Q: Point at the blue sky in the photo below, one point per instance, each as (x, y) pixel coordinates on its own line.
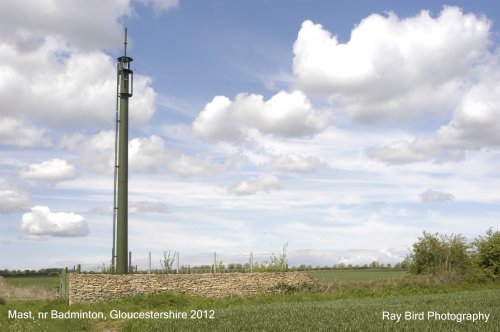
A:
(342, 128)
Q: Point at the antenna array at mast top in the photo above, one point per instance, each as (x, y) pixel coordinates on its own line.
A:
(125, 43)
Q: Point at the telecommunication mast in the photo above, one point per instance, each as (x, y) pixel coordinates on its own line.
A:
(125, 85)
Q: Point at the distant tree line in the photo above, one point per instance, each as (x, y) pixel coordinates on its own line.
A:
(342, 266)
(41, 272)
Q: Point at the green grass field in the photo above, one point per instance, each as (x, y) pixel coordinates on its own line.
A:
(354, 306)
(355, 275)
(341, 315)
(48, 282)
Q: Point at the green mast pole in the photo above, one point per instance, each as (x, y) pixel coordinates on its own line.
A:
(125, 84)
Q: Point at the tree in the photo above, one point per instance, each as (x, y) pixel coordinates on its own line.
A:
(279, 262)
(438, 253)
(486, 253)
(220, 266)
(168, 261)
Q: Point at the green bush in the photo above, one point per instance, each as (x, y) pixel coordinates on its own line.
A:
(487, 253)
(439, 253)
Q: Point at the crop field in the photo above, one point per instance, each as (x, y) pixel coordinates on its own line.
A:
(47, 282)
(28, 288)
(355, 275)
(354, 306)
(343, 315)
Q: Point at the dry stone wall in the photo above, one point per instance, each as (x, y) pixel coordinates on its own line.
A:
(103, 287)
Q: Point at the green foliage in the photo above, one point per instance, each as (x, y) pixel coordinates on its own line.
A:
(280, 263)
(167, 261)
(405, 264)
(487, 253)
(286, 288)
(439, 253)
(220, 267)
(107, 269)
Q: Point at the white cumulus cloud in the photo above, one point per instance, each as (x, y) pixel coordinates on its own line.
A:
(150, 153)
(473, 126)
(96, 151)
(53, 67)
(392, 68)
(286, 114)
(41, 222)
(54, 170)
(217, 122)
(475, 123)
(145, 154)
(77, 88)
(19, 133)
(87, 23)
(263, 183)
